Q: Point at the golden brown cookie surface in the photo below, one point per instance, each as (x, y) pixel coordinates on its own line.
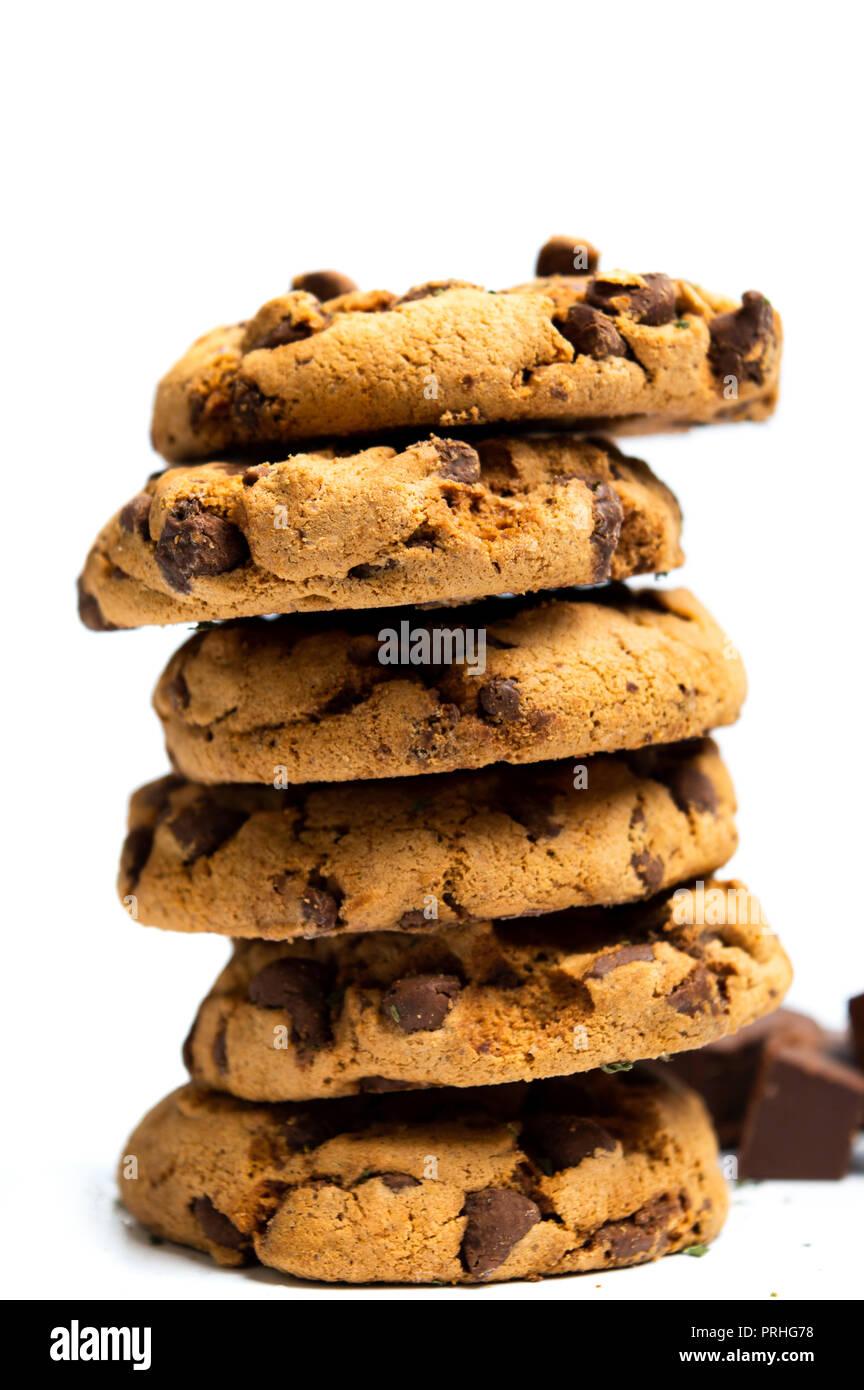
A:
(436, 521)
(501, 1183)
(612, 346)
(488, 1003)
(254, 861)
(347, 696)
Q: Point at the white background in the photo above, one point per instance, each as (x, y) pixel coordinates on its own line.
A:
(171, 166)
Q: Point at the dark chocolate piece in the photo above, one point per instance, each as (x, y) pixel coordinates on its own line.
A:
(803, 1114)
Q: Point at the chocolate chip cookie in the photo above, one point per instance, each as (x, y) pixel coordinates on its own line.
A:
(436, 521)
(507, 1182)
(488, 1003)
(348, 696)
(624, 348)
(254, 861)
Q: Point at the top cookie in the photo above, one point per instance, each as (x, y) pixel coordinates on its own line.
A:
(642, 350)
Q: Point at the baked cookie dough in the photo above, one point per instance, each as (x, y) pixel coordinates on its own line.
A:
(487, 1003)
(306, 699)
(254, 861)
(622, 348)
(435, 521)
(433, 1187)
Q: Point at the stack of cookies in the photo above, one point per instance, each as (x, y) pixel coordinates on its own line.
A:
(441, 776)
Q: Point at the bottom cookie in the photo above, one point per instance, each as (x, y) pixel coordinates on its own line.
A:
(438, 1186)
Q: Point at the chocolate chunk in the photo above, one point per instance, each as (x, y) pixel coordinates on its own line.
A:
(564, 255)
(803, 1115)
(562, 1141)
(533, 813)
(856, 1024)
(459, 462)
(324, 284)
(220, 1050)
(425, 291)
(724, 1071)
(252, 475)
(621, 955)
(248, 403)
(204, 827)
(497, 1220)
(500, 699)
(691, 790)
(216, 1225)
(320, 904)
(195, 542)
(415, 918)
(695, 994)
(651, 303)
(301, 988)
(672, 766)
(288, 330)
(608, 520)
(90, 613)
(135, 516)
(420, 1003)
(649, 868)
(134, 855)
(397, 1182)
(737, 339)
(591, 333)
(646, 1230)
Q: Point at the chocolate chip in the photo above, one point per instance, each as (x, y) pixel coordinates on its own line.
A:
(651, 303)
(691, 790)
(644, 1231)
(248, 404)
(204, 827)
(216, 1225)
(591, 333)
(420, 1003)
(500, 699)
(220, 1049)
(621, 955)
(134, 855)
(735, 336)
(694, 994)
(564, 255)
(252, 475)
(608, 520)
(562, 1141)
(324, 284)
(397, 1182)
(90, 613)
(320, 904)
(195, 542)
(135, 516)
(649, 868)
(301, 988)
(425, 291)
(288, 330)
(533, 814)
(416, 917)
(459, 462)
(498, 1218)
